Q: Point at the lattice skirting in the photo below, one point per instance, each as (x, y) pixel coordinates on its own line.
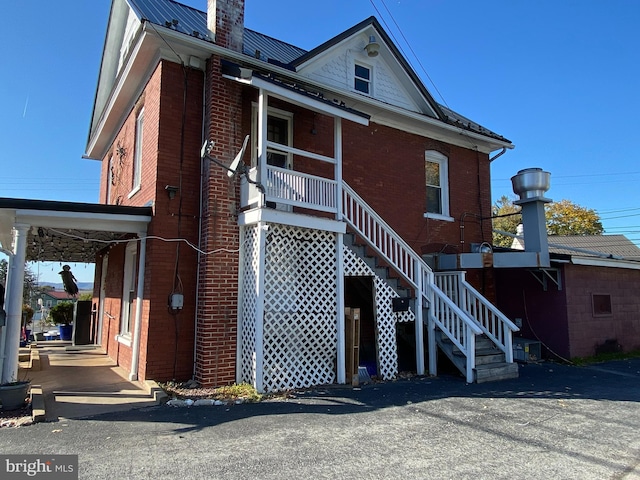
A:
(385, 317)
(299, 340)
(299, 313)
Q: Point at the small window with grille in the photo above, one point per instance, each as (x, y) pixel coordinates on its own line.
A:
(601, 304)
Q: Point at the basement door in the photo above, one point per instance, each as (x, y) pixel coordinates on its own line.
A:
(359, 293)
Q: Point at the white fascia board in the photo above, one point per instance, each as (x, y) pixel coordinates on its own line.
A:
(105, 222)
(270, 215)
(605, 262)
(131, 82)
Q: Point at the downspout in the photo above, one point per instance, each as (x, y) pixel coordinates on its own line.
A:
(502, 152)
(135, 360)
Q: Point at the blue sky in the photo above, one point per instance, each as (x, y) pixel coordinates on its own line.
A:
(559, 78)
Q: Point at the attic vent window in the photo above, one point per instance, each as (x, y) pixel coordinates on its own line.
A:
(362, 79)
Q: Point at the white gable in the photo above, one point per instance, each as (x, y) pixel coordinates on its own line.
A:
(389, 83)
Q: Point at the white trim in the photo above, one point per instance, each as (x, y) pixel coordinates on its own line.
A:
(134, 191)
(270, 215)
(136, 169)
(130, 268)
(435, 216)
(605, 262)
(124, 339)
(137, 323)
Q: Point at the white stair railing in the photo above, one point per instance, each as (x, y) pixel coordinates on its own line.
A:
(493, 323)
(454, 322)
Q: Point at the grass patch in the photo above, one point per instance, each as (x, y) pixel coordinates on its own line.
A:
(605, 357)
(228, 393)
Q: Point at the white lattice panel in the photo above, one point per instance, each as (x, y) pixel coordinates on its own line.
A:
(300, 305)
(249, 301)
(386, 318)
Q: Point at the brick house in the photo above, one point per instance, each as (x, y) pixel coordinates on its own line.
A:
(353, 178)
(584, 303)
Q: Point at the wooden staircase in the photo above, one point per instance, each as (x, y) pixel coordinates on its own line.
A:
(491, 364)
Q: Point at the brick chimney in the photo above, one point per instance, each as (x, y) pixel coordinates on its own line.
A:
(225, 21)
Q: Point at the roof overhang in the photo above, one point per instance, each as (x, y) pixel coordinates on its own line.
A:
(69, 231)
(153, 45)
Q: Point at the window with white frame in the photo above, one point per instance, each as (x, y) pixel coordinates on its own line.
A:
(279, 130)
(362, 78)
(437, 183)
(129, 289)
(137, 154)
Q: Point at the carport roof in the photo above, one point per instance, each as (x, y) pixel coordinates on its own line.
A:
(69, 231)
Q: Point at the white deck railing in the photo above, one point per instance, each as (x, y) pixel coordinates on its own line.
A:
(493, 322)
(300, 190)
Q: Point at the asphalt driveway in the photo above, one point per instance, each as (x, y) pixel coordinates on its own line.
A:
(554, 422)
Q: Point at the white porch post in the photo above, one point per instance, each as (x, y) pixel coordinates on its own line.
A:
(340, 292)
(263, 104)
(259, 358)
(135, 361)
(15, 282)
(341, 363)
(419, 320)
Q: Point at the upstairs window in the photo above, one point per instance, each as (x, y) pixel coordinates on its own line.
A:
(437, 185)
(362, 79)
(137, 154)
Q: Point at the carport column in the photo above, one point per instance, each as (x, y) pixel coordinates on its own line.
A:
(15, 281)
(135, 361)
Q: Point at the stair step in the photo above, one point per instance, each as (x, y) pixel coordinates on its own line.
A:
(496, 371)
(496, 357)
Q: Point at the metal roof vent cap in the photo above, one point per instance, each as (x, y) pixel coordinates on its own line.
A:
(531, 183)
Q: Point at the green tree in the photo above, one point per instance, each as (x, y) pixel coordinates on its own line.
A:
(506, 217)
(30, 280)
(562, 218)
(567, 218)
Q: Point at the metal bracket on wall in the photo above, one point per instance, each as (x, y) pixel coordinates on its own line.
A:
(543, 275)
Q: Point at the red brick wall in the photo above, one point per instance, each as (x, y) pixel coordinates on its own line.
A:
(564, 320)
(170, 266)
(586, 330)
(216, 332)
(543, 314)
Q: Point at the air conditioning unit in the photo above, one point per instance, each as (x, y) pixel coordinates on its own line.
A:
(527, 351)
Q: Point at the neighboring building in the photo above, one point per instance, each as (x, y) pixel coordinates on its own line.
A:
(586, 301)
(50, 298)
(244, 275)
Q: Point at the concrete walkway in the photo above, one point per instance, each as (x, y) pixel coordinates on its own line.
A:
(82, 381)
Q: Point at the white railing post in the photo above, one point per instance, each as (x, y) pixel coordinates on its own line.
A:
(337, 139)
(419, 320)
(263, 100)
(470, 344)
